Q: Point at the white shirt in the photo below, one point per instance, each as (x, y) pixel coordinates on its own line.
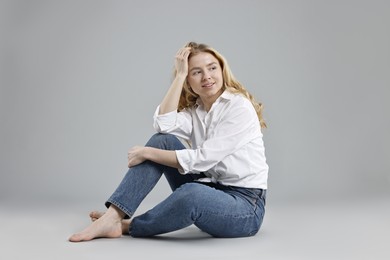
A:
(226, 143)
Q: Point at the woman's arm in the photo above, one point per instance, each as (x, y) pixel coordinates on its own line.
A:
(138, 154)
(172, 97)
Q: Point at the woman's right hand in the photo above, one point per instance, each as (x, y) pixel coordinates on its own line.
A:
(135, 156)
(181, 61)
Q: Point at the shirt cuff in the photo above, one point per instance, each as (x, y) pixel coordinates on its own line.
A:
(184, 159)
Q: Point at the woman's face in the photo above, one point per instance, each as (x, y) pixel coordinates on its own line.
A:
(205, 77)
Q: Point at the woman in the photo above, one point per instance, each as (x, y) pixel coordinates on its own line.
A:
(219, 182)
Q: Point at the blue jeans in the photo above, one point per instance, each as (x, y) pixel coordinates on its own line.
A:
(221, 211)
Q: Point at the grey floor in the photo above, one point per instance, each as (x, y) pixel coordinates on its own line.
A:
(346, 229)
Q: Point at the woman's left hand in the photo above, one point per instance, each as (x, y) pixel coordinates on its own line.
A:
(136, 155)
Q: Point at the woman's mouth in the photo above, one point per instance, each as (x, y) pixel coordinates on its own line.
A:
(208, 85)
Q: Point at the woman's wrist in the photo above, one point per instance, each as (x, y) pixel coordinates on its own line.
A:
(147, 153)
(181, 77)
(165, 157)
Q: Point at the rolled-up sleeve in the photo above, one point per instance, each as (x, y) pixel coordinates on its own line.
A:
(176, 123)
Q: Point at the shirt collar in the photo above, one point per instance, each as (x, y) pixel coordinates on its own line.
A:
(225, 95)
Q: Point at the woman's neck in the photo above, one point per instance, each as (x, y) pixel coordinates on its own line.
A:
(209, 101)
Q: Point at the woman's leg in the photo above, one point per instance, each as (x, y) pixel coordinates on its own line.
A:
(221, 213)
(142, 178)
(136, 184)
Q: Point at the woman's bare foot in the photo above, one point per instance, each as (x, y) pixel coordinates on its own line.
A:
(95, 215)
(108, 225)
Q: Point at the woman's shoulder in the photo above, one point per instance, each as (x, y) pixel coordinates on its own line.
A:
(237, 99)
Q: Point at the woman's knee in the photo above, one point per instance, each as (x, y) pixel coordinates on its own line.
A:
(164, 141)
(155, 139)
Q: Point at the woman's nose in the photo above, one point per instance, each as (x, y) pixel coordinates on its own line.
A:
(206, 76)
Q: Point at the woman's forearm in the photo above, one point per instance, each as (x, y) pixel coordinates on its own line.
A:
(163, 157)
(172, 97)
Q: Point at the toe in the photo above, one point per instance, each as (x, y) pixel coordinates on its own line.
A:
(75, 238)
(96, 214)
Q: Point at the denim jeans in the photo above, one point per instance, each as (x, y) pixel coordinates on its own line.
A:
(221, 211)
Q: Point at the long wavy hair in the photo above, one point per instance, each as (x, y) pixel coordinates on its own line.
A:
(188, 96)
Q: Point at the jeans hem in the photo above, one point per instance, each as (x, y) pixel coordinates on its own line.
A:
(128, 213)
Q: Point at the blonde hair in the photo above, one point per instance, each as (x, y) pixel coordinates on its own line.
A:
(188, 96)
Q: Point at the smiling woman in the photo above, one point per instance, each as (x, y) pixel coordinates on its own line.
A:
(205, 78)
(219, 183)
(217, 64)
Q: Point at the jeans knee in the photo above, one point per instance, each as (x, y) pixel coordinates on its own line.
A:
(159, 140)
(165, 142)
(187, 196)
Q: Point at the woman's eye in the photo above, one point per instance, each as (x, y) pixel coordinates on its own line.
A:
(196, 73)
(213, 68)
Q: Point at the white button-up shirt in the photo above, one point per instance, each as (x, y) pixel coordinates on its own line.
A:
(226, 143)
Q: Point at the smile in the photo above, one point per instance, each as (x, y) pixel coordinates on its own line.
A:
(208, 85)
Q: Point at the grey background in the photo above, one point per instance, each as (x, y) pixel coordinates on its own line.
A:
(80, 81)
